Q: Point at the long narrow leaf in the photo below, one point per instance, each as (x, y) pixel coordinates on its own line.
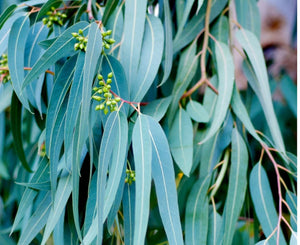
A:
(16, 50)
(151, 55)
(135, 15)
(196, 214)
(63, 46)
(260, 83)
(164, 180)
(225, 69)
(237, 186)
(142, 151)
(262, 198)
(181, 141)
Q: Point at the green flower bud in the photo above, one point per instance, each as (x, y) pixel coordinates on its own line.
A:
(98, 98)
(100, 91)
(74, 34)
(53, 8)
(49, 13)
(95, 89)
(108, 103)
(101, 106)
(117, 99)
(108, 86)
(107, 95)
(45, 20)
(111, 41)
(81, 46)
(60, 22)
(97, 108)
(105, 90)
(64, 16)
(107, 46)
(101, 83)
(108, 32)
(105, 110)
(108, 81)
(80, 31)
(100, 77)
(110, 75)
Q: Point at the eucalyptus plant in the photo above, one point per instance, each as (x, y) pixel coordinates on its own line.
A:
(122, 122)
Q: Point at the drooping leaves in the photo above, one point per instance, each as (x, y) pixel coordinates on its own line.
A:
(196, 214)
(237, 186)
(263, 203)
(181, 141)
(142, 150)
(225, 71)
(257, 76)
(164, 181)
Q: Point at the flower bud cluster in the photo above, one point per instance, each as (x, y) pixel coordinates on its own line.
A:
(130, 176)
(103, 94)
(54, 17)
(82, 40)
(4, 74)
(106, 41)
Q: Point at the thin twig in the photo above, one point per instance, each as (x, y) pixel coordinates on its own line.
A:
(89, 10)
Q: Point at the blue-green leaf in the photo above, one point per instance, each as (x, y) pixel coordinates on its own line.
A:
(106, 149)
(186, 71)
(220, 29)
(225, 69)
(117, 163)
(16, 51)
(164, 181)
(33, 52)
(62, 195)
(6, 14)
(258, 79)
(181, 141)
(74, 101)
(168, 50)
(109, 9)
(5, 30)
(16, 128)
(197, 112)
(291, 200)
(289, 91)
(135, 14)
(142, 151)
(241, 112)
(196, 214)
(248, 15)
(119, 83)
(262, 198)
(157, 108)
(237, 186)
(37, 220)
(196, 24)
(214, 228)
(151, 55)
(40, 175)
(56, 117)
(128, 212)
(93, 52)
(63, 46)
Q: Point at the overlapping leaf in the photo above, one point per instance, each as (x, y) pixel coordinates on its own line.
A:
(262, 198)
(258, 79)
(181, 141)
(225, 69)
(142, 150)
(61, 47)
(237, 186)
(164, 180)
(16, 50)
(196, 214)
